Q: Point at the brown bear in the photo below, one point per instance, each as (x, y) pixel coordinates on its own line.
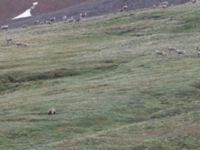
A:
(52, 111)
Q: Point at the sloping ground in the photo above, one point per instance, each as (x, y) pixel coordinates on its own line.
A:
(94, 8)
(11, 8)
(110, 90)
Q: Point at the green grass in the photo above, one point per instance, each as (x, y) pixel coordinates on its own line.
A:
(109, 88)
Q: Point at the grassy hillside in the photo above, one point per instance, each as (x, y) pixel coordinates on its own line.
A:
(109, 88)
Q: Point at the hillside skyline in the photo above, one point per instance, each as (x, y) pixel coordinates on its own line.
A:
(12, 8)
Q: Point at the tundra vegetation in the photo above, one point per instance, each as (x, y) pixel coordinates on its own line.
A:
(108, 87)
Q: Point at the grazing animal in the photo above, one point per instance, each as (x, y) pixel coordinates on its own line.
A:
(64, 18)
(36, 22)
(124, 8)
(53, 19)
(52, 111)
(9, 41)
(198, 51)
(154, 6)
(4, 27)
(48, 22)
(77, 19)
(161, 53)
(71, 19)
(164, 4)
(83, 15)
(21, 45)
(193, 1)
(180, 52)
(172, 49)
(24, 26)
